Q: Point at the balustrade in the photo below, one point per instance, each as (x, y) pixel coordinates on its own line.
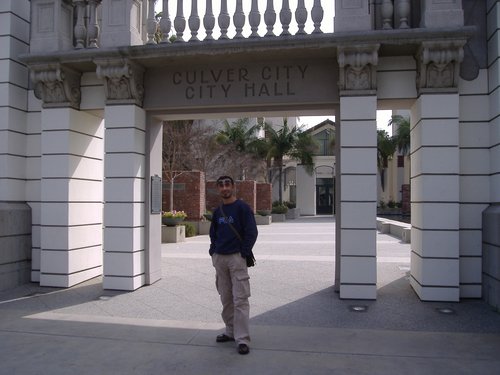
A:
(86, 30)
(393, 14)
(387, 14)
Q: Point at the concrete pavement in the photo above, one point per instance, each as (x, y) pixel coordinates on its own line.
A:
(298, 323)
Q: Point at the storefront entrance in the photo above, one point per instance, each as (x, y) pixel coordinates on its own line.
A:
(325, 196)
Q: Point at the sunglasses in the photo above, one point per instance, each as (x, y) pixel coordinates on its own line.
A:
(225, 182)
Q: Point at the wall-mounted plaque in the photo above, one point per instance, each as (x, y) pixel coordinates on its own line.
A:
(156, 194)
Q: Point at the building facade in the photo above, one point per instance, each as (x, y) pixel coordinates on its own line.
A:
(87, 84)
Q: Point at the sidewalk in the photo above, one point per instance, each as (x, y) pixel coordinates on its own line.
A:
(298, 323)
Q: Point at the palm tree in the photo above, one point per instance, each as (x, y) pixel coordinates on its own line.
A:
(386, 147)
(239, 134)
(292, 142)
(402, 136)
(242, 139)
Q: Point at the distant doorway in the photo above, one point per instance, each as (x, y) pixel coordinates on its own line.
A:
(325, 196)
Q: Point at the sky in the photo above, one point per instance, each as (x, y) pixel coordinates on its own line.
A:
(326, 26)
(383, 118)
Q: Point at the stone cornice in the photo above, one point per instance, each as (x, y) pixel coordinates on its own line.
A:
(56, 85)
(438, 65)
(315, 45)
(357, 69)
(123, 81)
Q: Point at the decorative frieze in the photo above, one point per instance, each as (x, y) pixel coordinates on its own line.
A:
(357, 69)
(123, 81)
(56, 85)
(438, 65)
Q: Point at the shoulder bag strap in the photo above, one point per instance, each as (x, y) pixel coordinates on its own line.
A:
(230, 225)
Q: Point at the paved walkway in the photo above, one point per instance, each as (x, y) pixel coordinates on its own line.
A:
(298, 323)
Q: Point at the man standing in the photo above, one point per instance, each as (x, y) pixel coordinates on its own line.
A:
(233, 233)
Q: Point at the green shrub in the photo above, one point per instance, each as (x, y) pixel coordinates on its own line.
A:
(279, 209)
(190, 229)
(263, 212)
(382, 204)
(391, 204)
(290, 204)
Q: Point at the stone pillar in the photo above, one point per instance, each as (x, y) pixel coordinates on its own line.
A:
(439, 13)
(15, 217)
(491, 216)
(71, 190)
(356, 217)
(435, 171)
(122, 22)
(124, 197)
(352, 15)
(474, 180)
(154, 149)
(306, 191)
(71, 180)
(125, 172)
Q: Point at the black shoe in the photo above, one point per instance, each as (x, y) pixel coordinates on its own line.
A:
(224, 338)
(243, 349)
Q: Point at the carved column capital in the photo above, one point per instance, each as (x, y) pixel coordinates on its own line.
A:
(56, 85)
(438, 65)
(123, 81)
(357, 69)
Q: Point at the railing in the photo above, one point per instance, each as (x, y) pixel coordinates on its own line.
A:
(392, 14)
(86, 30)
(171, 26)
(239, 18)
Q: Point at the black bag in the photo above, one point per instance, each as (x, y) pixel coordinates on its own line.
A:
(250, 261)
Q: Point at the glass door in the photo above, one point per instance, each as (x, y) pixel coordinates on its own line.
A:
(324, 196)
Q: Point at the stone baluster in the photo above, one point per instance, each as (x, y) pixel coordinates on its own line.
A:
(403, 8)
(179, 21)
(151, 23)
(270, 18)
(285, 17)
(80, 29)
(239, 19)
(223, 20)
(165, 23)
(254, 19)
(301, 17)
(209, 21)
(317, 16)
(387, 10)
(194, 21)
(93, 28)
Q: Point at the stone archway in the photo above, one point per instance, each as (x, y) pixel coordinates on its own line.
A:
(123, 94)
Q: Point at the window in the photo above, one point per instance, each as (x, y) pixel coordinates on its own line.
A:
(401, 161)
(324, 139)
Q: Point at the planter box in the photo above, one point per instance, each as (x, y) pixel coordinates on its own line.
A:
(173, 234)
(263, 220)
(278, 218)
(293, 213)
(388, 211)
(171, 221)
(204, 227)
